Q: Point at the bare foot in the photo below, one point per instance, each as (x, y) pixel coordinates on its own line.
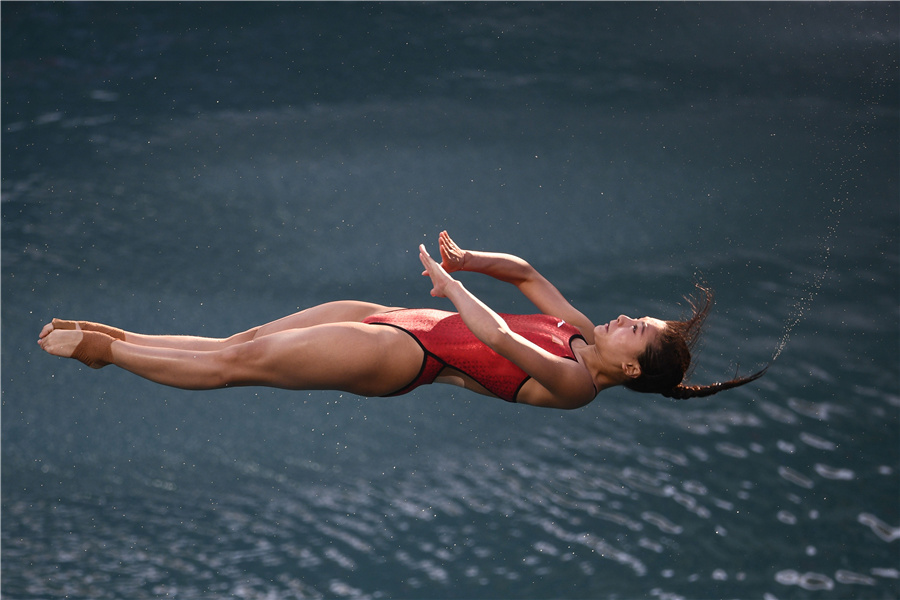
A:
(93, 348)
(46, 330)
(58, 324)
(60, 342)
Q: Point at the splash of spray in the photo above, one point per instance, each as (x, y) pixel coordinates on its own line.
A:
(813, 286)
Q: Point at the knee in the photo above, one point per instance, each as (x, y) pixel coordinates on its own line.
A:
(240, 338)
(238, 364)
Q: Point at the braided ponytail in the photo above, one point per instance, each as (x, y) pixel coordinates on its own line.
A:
(666, 364)
(683, 392)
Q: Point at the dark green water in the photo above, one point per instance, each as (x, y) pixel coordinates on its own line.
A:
(202, 168)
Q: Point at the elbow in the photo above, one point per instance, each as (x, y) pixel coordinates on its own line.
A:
(576, 404)
(556, 402)
(575, 399)
(524, 273)
(571, 404)
(498, 338)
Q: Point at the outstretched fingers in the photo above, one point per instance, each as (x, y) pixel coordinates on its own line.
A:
(439, 277)
(452, 256)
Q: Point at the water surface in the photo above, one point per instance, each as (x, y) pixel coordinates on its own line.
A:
(203, 168)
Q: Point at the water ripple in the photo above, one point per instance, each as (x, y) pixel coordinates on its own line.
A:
(879, 527)
(834, 472)
(662, 523)
(796, 478)
(807, 581)
(851, 578)
(816, 441)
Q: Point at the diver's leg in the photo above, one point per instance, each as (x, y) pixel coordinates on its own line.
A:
(340, 311)
(362, 359)
(330, 312)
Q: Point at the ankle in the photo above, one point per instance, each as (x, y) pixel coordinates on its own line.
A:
(95, 349)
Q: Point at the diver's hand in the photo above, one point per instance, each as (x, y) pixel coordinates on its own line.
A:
(440, 280)
(453, 258)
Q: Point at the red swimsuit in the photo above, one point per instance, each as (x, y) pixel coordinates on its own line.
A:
(447, 342)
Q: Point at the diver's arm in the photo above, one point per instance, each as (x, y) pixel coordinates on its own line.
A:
(567, 383)
(518, 272)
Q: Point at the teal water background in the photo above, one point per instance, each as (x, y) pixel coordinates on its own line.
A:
(202, 168)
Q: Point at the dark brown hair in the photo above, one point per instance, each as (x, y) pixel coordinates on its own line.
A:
(666, 363)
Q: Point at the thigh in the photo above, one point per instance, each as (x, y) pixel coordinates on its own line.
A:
(331, 312)
(368, 360)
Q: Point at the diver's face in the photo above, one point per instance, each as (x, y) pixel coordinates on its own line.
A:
(622, 340)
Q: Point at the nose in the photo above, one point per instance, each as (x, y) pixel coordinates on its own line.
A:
(622, 320)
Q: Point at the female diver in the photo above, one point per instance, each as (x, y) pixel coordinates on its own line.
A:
(557, 359)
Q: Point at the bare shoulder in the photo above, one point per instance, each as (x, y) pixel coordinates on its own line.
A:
(583, 324)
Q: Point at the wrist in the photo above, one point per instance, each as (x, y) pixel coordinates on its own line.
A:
(466, 259)
(454, 291)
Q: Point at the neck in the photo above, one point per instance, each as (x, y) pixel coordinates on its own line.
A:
(604, 374)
